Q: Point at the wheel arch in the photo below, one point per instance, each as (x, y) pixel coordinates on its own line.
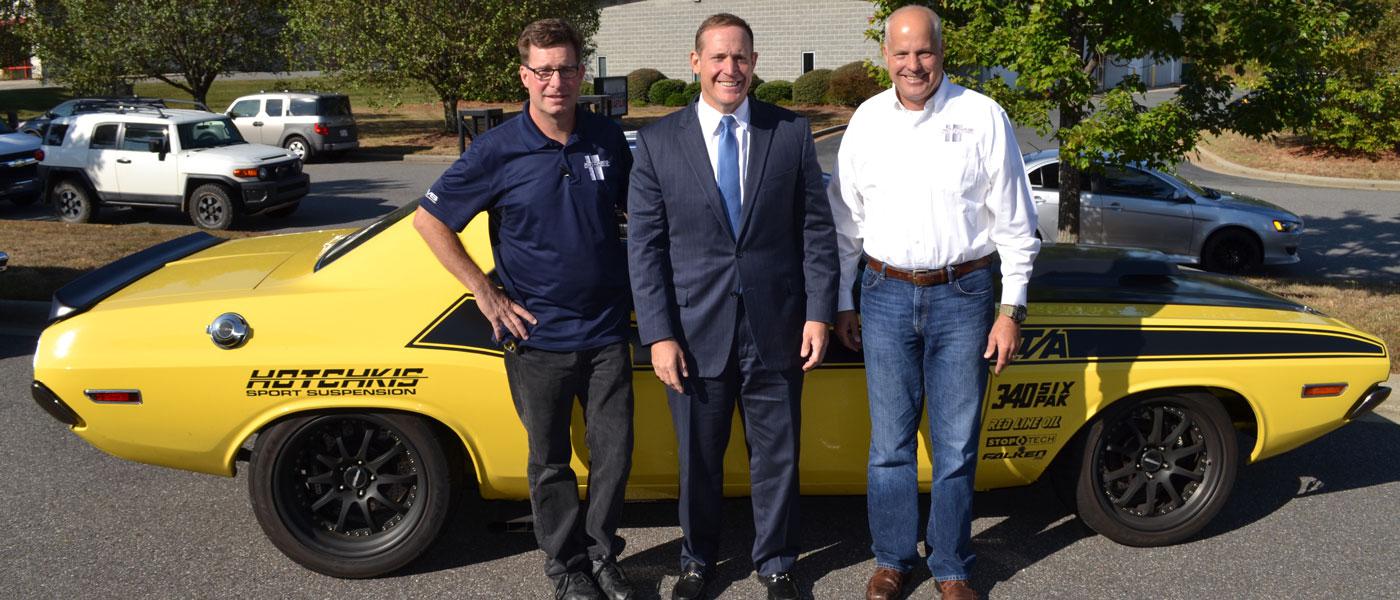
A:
(55, 175)
(193, 182)
(1228, 227)
(459, 445)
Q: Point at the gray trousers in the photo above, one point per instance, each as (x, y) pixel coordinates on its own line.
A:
(544, 385)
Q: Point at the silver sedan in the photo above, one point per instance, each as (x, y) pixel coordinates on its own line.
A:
(1145, 208)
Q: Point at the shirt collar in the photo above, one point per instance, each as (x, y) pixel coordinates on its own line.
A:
(710, 117)
(534, 139)
(935, 102)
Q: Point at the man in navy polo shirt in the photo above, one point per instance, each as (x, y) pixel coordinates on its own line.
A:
(552, 181)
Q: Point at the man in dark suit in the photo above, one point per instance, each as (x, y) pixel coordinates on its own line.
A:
(733, 262)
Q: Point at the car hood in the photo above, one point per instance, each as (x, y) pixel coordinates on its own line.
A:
(1250, 204)
(242, 154)
(234, 266)
(11, 143)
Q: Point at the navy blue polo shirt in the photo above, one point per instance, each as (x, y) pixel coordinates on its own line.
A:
(554, 224)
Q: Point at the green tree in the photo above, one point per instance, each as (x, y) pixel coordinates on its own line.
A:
(462, 49)
(1057, 48)
(97, 46)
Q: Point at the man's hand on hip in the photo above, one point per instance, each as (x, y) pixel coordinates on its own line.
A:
(848, 329)
(815, 337)
(502, 313)
(1003, 341)
(669, 363)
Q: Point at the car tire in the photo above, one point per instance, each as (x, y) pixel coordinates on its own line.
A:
(1139, 485)
(285, 211)
(1232, 251)
(212, 207)
(73, 203)
(351, 495)
(299, 146)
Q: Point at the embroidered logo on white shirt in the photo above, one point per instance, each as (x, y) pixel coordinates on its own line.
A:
(954, 133)
(595, 165)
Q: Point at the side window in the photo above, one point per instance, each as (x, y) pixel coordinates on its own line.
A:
(140, 135)
(245, 108)
(301, 107)
(54, 136)
(274, 107)
(1133, 182)
(1047, 177)
(104, 137)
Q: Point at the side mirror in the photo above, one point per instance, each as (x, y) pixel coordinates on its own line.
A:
(1181, 196)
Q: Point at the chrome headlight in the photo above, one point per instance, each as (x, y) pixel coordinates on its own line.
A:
(262, 172)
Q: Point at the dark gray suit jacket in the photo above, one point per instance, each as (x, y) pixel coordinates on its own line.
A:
(687, 269)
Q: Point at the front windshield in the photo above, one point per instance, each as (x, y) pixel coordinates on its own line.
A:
(209, 134)
(1196, 189)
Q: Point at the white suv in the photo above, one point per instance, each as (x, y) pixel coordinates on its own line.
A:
(308, 124)
(191, 160)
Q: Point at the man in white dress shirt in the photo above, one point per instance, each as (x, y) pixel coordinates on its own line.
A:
(929, 184)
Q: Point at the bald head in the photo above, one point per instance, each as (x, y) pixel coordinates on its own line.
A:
(916, 19)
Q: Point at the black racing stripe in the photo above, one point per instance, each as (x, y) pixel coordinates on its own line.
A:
(1048, 343)
(461, 327)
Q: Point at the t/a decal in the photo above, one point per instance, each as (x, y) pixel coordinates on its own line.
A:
(1042, 344)
(1032, 395)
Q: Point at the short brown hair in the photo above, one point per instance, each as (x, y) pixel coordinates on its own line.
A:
(549, 33)
(722, 20)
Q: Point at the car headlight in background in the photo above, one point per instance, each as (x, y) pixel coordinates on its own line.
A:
(1283, 226)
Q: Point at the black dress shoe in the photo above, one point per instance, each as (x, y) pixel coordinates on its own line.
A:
(612, 581)
(575, 586)
(689, 586)
(780, 586)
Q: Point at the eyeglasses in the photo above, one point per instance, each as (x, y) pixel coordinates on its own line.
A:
(547, 73)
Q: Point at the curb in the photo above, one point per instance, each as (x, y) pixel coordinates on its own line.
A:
(423, 158)
(828, 131)
(1211, 161)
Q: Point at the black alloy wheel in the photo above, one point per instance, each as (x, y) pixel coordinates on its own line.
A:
(212, 207)
(73, 203)
(1156, 470)
(350, 494)
(1232, 251)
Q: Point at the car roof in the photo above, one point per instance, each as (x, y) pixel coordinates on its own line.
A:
(145, 115)
(296, 95)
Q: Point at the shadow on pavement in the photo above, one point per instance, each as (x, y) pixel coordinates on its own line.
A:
(1357, 245)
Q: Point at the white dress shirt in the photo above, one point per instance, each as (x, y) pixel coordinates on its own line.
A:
(710, 126)
(932, 188)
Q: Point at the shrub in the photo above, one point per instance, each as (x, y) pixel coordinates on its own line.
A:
(754, 82)
(851, 84)
(639, 83)
(586, 88)
(811, 87)
(775, 92)
(661, 91)
(691, 92)
(1359, 118)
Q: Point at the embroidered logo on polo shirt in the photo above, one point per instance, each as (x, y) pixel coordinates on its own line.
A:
(595, 164)
(954, 133)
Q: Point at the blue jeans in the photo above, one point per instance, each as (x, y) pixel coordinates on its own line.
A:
(924, 341)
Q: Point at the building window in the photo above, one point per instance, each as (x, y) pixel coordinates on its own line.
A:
(602, 66)
(809, 61)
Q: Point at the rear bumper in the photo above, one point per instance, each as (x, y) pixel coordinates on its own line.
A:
(20, 182)
(266, 195)
(336, 146)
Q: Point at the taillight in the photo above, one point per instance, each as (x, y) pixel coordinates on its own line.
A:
(114, 396)
(321, 129)
(39, 154)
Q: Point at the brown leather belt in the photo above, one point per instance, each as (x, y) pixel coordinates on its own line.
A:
(924, 277)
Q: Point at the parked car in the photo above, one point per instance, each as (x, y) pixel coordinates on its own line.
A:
(367, 385)
(308, 124)
(39, 125)
(19, 166)
(4, 260)
(193, 161)
(1135, 207)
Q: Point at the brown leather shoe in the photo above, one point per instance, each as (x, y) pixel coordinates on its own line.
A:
(956, 589)
(885, 584)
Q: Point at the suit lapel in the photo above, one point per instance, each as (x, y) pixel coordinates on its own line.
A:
(760, 138)
(692, 142)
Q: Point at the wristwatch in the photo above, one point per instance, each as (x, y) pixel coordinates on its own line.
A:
(1017, 312)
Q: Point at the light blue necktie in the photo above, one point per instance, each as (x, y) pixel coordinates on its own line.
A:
(729, 171)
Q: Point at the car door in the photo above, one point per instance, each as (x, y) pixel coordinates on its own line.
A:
(145, 176)
(1045, 192)
(1140, 210)
(273, 122)
(102, 159)
(247, 116)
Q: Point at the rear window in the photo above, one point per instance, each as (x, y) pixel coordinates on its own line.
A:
(104, 137)
(325, 106)
(54, 137)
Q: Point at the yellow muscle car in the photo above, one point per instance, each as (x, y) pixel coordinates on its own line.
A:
(369, 390)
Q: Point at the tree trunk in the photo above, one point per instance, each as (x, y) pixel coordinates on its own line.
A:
(449, 113)
(1069, 184)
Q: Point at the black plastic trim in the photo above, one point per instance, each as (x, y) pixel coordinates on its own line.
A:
(1368, 401)
(86, 291)
(55, 406)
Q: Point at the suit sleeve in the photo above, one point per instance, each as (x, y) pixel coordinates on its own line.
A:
(648, 249)
(819, 260)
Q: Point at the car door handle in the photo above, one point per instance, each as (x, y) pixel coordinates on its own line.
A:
(1039, 198)
(125, 161)
(1115, 206)
(257, 123)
